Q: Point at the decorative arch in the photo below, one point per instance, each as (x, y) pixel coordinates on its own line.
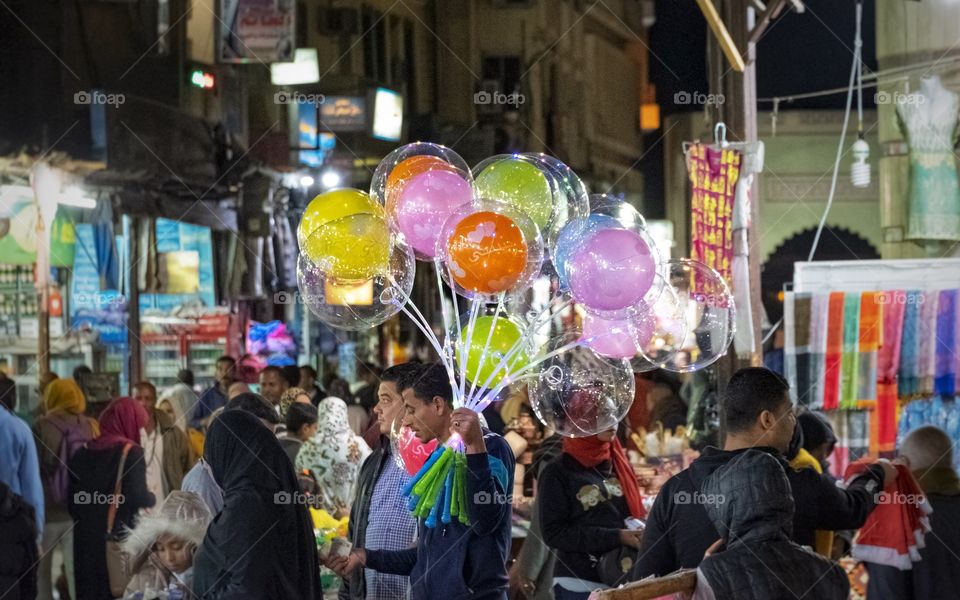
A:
(836, 243)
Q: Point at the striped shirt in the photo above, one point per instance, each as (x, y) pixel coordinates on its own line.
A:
(390, 526)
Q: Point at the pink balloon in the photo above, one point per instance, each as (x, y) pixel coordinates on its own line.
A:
(620, 338)
(413, 452)
(613, 270)
(424, 204)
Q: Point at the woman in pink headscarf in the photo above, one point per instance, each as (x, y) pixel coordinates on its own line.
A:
(94, 472)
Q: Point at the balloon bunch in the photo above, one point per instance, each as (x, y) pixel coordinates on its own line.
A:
(490, 233)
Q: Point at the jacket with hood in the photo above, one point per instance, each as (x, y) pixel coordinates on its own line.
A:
(18, 547)
(183, 516)
(937, 574)
(455, 561)
(261, 545)
(748, 501)
(679, 530)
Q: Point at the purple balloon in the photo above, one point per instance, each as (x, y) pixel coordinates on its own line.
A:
(612, 271)
(424, 204)
(620, 338)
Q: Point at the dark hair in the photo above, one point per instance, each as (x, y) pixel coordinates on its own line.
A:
(79, 371)
(227, 358)
(273, 369)
(292, 374)
(429, 382)
(298, 415)
(8, 392)
(396, 373)
(185, 376)
(310, 370)
(816, 430)
(148, 385)
(750, 392)
(255, 405)
(339, 388)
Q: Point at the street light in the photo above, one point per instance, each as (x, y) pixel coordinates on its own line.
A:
(330, 179)
(306, 181)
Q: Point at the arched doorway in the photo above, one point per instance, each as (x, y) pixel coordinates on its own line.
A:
(835, 244)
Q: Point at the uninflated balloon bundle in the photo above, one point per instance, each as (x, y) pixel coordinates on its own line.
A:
(489, 234)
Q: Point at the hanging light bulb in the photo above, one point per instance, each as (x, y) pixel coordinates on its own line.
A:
(860, 170)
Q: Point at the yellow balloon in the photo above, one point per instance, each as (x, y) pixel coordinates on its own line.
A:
(333, 205)
(352, 247)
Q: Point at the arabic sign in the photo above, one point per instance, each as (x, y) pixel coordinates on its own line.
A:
(344, 113)
(256, 30)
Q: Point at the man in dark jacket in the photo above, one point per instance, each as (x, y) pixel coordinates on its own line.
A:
(18, 547)
(748, 501)
(379, 517)
(453, 561)
(929, 454)
(759, 415)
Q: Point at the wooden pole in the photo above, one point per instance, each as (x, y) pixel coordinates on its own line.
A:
(681, 581)
(134, 346)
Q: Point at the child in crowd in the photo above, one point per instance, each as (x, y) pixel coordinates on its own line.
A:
(162, 546)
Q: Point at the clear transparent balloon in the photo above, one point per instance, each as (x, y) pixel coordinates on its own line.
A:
(578, 392)
(358, 304)
(624, 212)
(709, 311)
(423, 150)
(502, 253)
(539, 185)
(664, 327)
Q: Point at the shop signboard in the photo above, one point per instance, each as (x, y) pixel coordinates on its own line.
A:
(186, 264)
(261, 31)
(344, 113)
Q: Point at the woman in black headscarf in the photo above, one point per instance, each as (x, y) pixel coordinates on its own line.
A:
(261, 545)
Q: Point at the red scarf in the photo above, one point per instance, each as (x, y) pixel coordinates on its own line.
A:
(590, 452)
(120, 423)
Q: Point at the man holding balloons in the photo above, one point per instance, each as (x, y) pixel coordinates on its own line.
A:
(453, 560)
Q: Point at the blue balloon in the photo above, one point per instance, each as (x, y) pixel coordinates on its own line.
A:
(572, 236)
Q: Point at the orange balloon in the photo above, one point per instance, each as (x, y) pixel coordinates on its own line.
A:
(408, 168)
(487, 253)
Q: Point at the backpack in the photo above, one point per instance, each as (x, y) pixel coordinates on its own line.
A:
(57, 478)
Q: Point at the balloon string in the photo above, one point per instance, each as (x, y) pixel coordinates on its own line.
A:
(447, 321)
(484, 400)
(424, 327)
(457, 401)
(474, 309)
(486, 348)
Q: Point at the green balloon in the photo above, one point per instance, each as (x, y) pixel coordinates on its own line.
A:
(519, 184)
(505, 335)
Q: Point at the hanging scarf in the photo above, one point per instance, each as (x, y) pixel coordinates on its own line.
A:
(888, 363)
(590, 452)
(945, 374)
(871, 330)
(802, 312)
(908, 378)
(850, 361)
(120, 424)
(834, 356)
(334, 455)
(818, 348)
(926, 360)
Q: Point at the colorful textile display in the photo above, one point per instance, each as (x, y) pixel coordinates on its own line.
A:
(713, 174)
(834, 356)
(926, 358)
(894, 531)
(871, 331)
(850, 360)
(888, 362)
(945, 352)
(818, 350)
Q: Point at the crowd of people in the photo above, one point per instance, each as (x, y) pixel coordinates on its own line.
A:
(187, 495)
